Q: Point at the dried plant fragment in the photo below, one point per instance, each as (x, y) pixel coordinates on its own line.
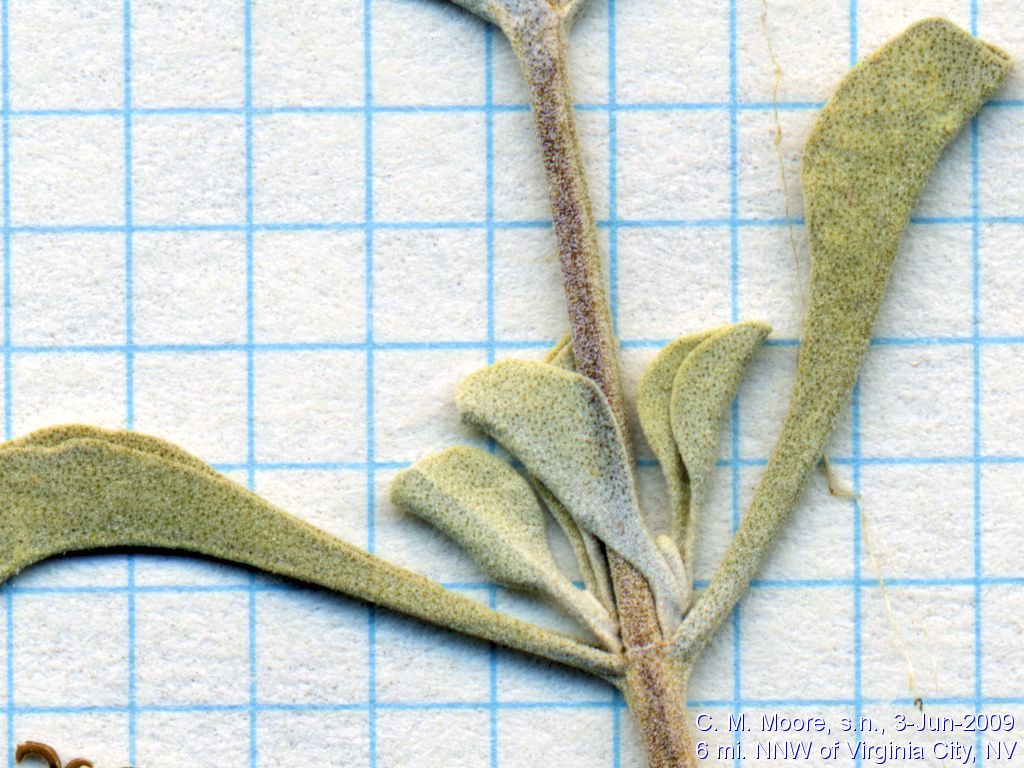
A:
(93, 493)
(864, 167)
(560, 426)
(47, 753)
(491, 511)
(37, 749)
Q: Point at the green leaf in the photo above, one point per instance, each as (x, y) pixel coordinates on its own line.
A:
(866, 162)
(63, 495)
(490, 511)
(53, 436)
(702, 393)
(654, 402)
(560, 426)
(684, 396)
(588, 550)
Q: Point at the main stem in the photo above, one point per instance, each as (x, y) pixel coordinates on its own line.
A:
(652, 689)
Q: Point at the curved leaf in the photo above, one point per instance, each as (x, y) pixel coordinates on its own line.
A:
(654, 402)
(588, 550)
(491, 511)
(864, 167)
(702, 393)
(94, 493)
(50, 437)
(560, 426)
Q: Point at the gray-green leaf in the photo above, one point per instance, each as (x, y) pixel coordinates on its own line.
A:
(561, 427)
(864, 167)
(654, 402)
(588, 550)
(684, 397)
(76, 488)
(702, 393)
(491, 511)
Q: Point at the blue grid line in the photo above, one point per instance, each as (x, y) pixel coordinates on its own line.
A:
(976, 414)
(446, 706)
(129, 220)
(306, 226)
(469, 344)
(129, 355)
(361, 466)
(734, 241)
(492, 591)
(616, 699)
(370, 343)
(489, 184)
(857, 592)
(5, 84)
(509, 706)
(5, 96)
(9, 687)
(853, 34)
(133, 709)
(858, 662)
(283, 585)
(427, 108)
(613, 222)
(415, 109)
(250, 370)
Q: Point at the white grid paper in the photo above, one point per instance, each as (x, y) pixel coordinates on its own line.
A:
(279, 234)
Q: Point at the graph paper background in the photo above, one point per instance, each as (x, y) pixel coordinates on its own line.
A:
(280, 233)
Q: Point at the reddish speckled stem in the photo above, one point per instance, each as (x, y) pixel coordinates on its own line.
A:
(656, 699)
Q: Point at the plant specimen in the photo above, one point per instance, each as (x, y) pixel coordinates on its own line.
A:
(74, 487)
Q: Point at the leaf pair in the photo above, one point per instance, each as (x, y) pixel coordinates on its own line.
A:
(491, 511)
(560, 426)
(683, 398)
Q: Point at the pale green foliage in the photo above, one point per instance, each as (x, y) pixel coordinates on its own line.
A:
(74, 488)
(490, 510)
(653, 402)
(864, 167)
(586, 546)
(683, 398)
(559, 425)
(588, 549)
(702, 393)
